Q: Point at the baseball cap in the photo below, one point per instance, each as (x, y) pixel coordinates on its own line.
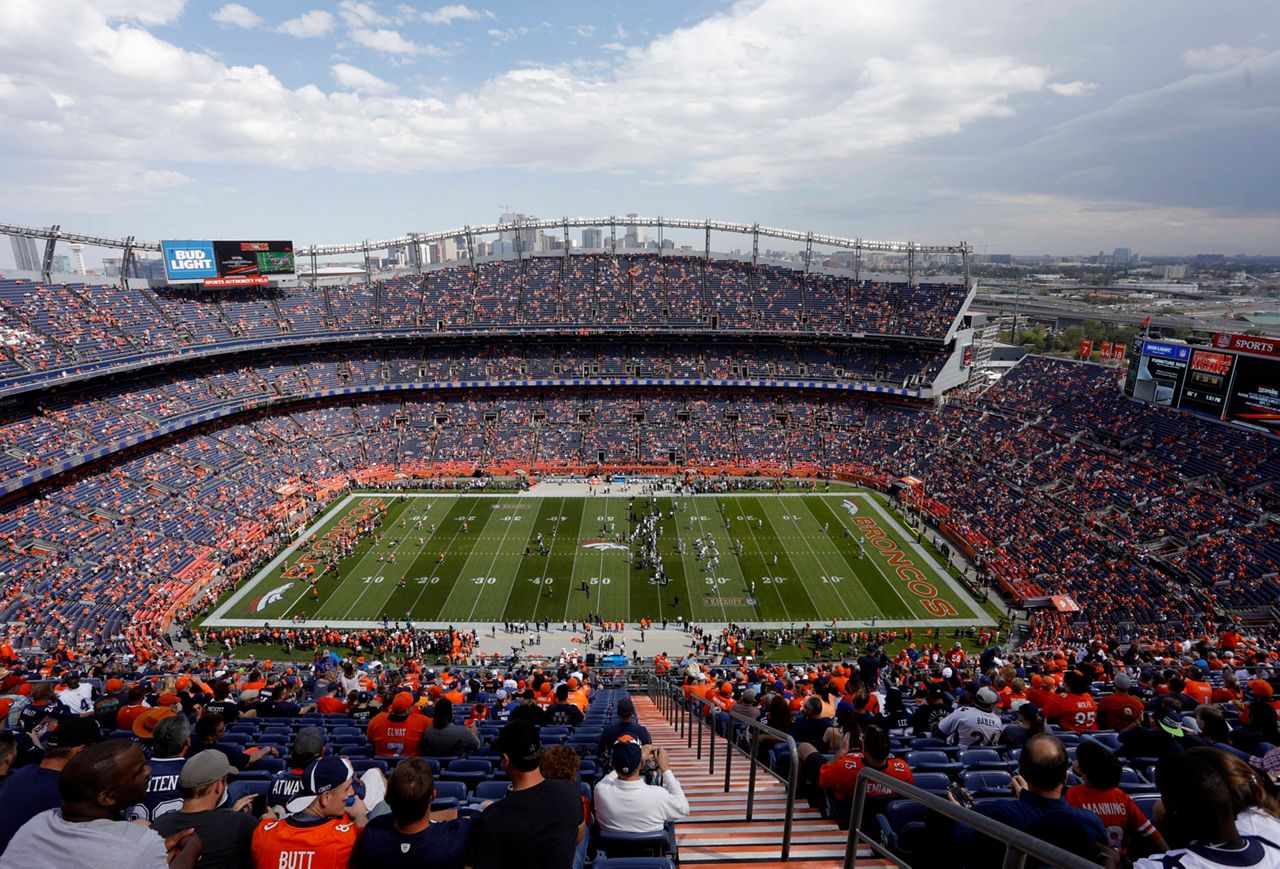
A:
(403, 702)
(114, 685)
(168, 699)
(1170, 722)
(844, 707)
(309, 741)
(626, 707)
(1261, 688)
(321, 777)
(74, 732)
(947, 672)
(1123, 682)
(204, 768)
(144, 726)
(987, 697)
(626, 755)
(518, 740)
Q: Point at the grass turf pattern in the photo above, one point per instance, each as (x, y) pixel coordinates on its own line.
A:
(783, 559)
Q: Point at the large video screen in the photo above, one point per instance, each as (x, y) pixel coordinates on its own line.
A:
(251, 258)
(1160, 372)
(226, 263)
(1208, 383)
(1255, 395)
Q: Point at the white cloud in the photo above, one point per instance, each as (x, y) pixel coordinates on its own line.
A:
(392, 42)
(1220, 56)
(454, 12)
(356, 14)
(308, 25)
(237, 16)
(584, 30)
(807, 95)
(164, 179)
(353, 78)
(614, 46)
(1071, 88)
(142, 11)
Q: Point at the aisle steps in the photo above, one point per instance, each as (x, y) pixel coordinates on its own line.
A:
(716, 836)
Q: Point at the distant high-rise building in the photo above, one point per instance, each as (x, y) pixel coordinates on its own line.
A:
(1121, 256)
(61, 264)
(592, 238)
(25, 256)
(633, 237)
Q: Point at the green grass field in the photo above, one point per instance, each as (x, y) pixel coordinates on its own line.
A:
(783, 559)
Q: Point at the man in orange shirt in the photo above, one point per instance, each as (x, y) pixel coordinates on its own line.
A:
(133, 708)
(840, 775)
(321, 835)
(1117, 711)
(331, 703)
(1076, 710)
(1196, 688)
(398, 732)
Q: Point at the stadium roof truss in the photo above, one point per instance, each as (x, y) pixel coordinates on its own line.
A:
(52, 235)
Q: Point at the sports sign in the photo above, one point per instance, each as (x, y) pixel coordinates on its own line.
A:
(221, 264)
(1247, 344)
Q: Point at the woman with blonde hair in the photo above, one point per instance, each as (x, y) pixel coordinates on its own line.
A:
(1257, 812)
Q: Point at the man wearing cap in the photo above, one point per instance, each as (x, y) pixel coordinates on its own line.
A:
(170, 741)
(76, 696)
(225, 834)
(539, 823)
(625, 726)
(326, 821)
(398, 731)
(973, 725)
(626, 804)
(34, 789)
(308, 747)
(1118, 710)
(1157, 734)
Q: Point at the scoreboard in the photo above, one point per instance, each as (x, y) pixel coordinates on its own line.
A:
(222, 264)
(1237, 379)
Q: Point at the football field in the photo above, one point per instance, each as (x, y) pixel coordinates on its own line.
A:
(439, 559)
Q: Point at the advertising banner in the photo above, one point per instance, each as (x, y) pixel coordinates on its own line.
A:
(1086, 348)
(188, 260)
(1255, 393)
(1247, 344)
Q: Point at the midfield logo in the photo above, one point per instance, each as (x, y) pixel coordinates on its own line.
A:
(605, 546)
(258, 604)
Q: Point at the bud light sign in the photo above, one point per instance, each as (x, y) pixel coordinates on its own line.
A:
(188, 260)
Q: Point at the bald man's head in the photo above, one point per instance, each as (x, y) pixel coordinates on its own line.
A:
(1044, 762)
(109, 775)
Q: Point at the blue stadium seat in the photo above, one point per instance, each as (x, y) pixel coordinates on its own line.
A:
(983, 758)
(449, 795)
(933, 761)
(902, 826)
(492, 790)
(466, 770)
(986, 783)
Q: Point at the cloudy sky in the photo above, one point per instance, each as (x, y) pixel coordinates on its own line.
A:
(1029, 127)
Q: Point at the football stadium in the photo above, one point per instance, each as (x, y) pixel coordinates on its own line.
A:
(882, 469)
(588, 487)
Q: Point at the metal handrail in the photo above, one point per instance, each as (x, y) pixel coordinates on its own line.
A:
(1018, 844)
(663, 692)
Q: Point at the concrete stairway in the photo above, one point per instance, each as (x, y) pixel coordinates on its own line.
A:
(715, 835)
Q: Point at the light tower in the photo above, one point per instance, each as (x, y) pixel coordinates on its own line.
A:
(77, 253)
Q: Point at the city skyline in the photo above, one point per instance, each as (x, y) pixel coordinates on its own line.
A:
(1062, 130)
